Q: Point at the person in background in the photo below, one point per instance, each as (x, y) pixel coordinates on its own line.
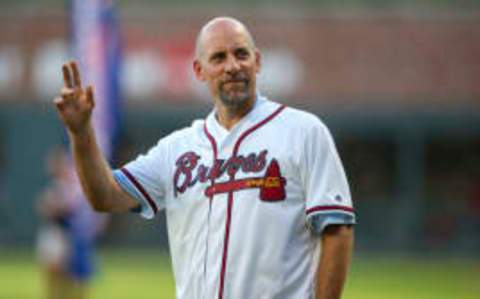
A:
(65, 244)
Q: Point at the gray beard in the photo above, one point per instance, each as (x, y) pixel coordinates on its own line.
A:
(234, 103)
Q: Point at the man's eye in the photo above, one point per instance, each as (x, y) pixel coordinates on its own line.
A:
(217, 58)
(242, 54)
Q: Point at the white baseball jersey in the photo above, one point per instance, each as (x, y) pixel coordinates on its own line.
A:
(244, 207)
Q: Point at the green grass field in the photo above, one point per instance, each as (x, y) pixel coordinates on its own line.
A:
(147, 275)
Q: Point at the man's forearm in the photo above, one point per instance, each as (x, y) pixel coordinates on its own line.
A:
(75, 106)
(337, 245)
(95, 174)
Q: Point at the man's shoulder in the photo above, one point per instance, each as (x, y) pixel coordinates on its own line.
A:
(302, 119)
(304, 126)
(193, 131)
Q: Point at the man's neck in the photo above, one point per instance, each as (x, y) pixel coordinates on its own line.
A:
(228, 117)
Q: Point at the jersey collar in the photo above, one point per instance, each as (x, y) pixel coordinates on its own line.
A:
(262, 108)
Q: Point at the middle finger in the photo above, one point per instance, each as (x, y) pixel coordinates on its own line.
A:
(76, 75)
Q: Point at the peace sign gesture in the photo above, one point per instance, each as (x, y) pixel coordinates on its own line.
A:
(75, 104)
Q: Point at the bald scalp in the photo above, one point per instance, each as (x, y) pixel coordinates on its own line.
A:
(220, 23)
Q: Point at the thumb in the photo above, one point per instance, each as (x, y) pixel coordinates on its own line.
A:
(59, 103)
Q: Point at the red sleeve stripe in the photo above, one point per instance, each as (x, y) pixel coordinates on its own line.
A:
(330, 208)
(140, 188)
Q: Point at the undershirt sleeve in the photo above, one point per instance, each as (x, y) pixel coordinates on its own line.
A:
(327, 194)
(145, 179)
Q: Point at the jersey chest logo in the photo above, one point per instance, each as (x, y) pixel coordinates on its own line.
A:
(190, 171)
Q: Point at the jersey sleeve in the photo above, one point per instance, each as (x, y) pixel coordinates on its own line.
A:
(145, 179)
(327, 194)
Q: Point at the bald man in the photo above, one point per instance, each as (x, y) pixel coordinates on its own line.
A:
(256, 198)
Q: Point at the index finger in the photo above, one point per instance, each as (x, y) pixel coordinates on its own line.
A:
(76, 75)
(67, 77)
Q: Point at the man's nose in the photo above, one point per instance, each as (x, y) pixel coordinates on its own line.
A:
(232, 65)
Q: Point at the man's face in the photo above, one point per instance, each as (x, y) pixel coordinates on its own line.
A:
(228, 63)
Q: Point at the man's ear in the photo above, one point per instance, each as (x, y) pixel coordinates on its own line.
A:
(197, 69)
(258, 60)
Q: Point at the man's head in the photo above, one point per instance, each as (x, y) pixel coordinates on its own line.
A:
(228, 61)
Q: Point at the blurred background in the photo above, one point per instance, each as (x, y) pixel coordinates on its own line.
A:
(397, 82)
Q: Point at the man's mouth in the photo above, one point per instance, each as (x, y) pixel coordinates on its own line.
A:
(235, 81)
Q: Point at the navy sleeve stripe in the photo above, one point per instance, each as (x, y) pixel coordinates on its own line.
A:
(140, 188)
(330, 208)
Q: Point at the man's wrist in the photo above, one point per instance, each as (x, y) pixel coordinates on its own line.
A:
(83, 136)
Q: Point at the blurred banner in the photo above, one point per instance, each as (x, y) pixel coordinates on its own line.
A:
(96, 46)
(95, 41)
(368, 58)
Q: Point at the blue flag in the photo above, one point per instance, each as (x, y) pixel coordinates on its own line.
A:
(95, 41)
(96, 46)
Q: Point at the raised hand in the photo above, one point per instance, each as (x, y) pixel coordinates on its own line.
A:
(75, 104)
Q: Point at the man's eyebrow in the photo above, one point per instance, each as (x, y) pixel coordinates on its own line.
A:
(216, 54)
(242, 48)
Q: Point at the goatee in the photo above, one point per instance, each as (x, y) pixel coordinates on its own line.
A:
(234, 101)
(237, 96)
